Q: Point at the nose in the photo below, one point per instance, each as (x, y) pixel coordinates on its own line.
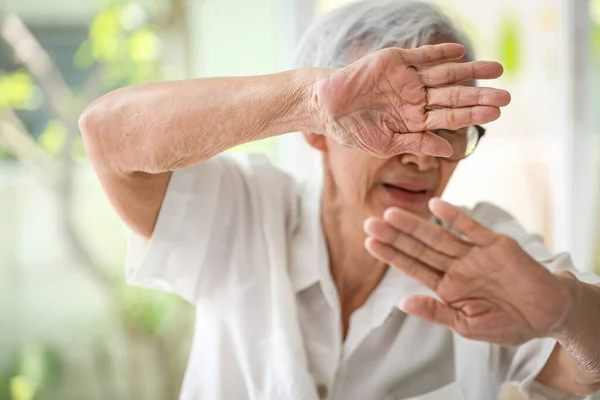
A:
(421, 163)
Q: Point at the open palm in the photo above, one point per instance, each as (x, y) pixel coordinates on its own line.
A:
(386, 102)
(490, 288)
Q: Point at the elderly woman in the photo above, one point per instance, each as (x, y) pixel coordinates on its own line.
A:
(360, 284)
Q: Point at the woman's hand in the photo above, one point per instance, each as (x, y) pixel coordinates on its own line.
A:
(386, 102)
(490, 288)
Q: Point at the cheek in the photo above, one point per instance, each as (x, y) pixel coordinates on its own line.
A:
(351, 170)
(446, 171)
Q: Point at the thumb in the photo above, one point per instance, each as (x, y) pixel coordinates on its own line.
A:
(429, 309)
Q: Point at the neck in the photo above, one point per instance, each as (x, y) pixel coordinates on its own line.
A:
(355, 272)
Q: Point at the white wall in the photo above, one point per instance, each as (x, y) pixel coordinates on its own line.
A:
(233, 37)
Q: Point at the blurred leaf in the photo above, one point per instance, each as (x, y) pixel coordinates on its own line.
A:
(146, 310)
(4, 388)
(5, 155)
(144, 45)
(53, 137)
(17, 90)
(84, 57)
(106, 35)
(510, 44)
(78, 150)
(39, 366)
(594, 7)
(21, 388)
(32, 365)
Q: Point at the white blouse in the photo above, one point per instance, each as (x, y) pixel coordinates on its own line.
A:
(243, 242)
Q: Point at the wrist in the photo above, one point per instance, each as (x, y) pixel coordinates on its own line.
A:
(568, 324)
(309, 116)
(577, 333)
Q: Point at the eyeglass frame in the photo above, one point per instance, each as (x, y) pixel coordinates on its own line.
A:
(480, 133)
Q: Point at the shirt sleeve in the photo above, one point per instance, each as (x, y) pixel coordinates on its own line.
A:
(208, 214)
(523, 364)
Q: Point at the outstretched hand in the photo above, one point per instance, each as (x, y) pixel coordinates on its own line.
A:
(490, 288)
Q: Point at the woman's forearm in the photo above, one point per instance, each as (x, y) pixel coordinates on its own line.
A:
(161, 127)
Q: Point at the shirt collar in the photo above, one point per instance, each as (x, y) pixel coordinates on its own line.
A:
(393, 287)
(310, 260)
(310, 264)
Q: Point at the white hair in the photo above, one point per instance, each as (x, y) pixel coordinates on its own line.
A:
(342, 35)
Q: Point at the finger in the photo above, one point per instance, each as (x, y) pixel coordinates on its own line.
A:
(430, 310)
(432, 235)
(452, 73)
(385, 233)
(411, 267)
(424, 143)
(433, 53)
(467, 96)
(456, 118)
(459, 221)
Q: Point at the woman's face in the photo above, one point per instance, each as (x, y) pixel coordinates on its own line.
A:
(370, 185)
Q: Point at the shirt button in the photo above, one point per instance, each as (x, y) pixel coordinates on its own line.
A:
(322, 391)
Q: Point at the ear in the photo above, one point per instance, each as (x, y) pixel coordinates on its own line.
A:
(319, 142)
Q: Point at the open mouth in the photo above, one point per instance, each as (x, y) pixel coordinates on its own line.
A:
(405, 189)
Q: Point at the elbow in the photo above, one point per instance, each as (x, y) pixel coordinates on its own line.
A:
(97, 127)
(91, 128)
(87, 122)
(96, 119)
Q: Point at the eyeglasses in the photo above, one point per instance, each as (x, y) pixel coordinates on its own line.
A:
(464, 141)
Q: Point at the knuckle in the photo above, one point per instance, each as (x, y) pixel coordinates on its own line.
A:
(418, 250)
(455, 96)
(450, 119)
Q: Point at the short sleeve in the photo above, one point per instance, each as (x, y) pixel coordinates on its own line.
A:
(208, 218)
(524, 363)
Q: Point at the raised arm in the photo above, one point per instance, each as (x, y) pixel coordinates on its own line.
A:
(383, 104)
(136, 136)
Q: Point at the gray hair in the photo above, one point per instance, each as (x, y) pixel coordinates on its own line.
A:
(342, 35)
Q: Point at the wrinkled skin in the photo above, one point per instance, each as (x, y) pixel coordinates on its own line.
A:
(387, 102)
(490, 287)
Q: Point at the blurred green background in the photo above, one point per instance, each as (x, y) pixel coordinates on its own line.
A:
(69, 327)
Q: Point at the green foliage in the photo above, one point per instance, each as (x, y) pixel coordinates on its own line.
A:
(17, 90)
(5, 155)
(21, 388)
(35, 367)
(124, 48)
(123, 44)
(510, 51)
(53, 137)
(595, 28)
